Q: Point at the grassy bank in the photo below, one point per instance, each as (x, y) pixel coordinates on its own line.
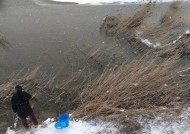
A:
(112, 86)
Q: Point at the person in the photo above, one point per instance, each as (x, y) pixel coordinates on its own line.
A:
(21, 106)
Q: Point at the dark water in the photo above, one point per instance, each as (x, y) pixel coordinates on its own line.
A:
(44, 34)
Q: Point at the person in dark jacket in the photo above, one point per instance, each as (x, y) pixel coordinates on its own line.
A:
(21, 106)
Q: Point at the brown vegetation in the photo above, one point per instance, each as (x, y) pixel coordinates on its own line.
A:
(179, 49)
(120, 26)
(52, 95)
(112, 86)
(138, 84)
(170, 26)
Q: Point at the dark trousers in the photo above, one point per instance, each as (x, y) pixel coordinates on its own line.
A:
(33, 119)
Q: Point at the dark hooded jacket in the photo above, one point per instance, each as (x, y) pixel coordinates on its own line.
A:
(21, 105)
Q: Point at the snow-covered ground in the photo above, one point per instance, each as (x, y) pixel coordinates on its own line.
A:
(75, 127)
(170, 123)
(166, 123)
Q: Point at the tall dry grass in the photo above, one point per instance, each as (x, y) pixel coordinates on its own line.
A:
(52, 94)
(125, 27)
(117, 89)
(170, 26)
(49, 96)
(110, 86)
(179, 49)
(139, 84)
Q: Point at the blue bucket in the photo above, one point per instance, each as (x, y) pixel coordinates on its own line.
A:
(63, 121)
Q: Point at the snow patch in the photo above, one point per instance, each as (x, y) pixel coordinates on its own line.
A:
(75, 127)
(157, 44)
(146, 41)
(175, 124)
(187, 32)
(101, 2)
(188, 69)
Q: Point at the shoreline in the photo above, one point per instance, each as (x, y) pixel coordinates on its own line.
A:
(116, 3)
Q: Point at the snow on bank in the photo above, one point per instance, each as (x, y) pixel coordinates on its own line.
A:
(100, 2)
(157, 44)
(75, 127)
(168, 124)
(165, 123)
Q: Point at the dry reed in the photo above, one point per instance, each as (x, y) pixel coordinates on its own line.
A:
(170, 26)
